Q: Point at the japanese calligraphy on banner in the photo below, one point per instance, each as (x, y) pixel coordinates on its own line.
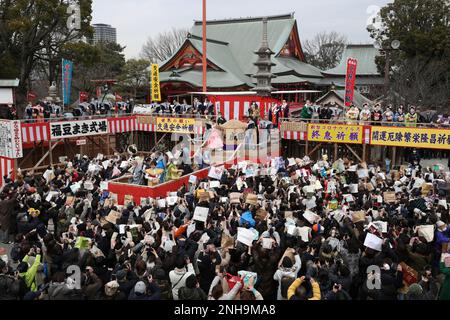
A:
(350, 81)
(81, 128)
(294, 126)
(411, 137)
(175, 125)
(10, 139)
(67, 67)
(156, 89)
(335, 133)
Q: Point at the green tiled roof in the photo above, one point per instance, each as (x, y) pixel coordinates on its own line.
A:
(364, 53)
(231, 45)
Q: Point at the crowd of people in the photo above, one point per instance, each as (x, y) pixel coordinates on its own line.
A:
(292, 229)
(377, 114)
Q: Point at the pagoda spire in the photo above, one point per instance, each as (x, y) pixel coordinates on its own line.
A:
(264, 63)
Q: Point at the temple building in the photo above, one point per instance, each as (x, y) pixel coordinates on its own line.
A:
(232, 47)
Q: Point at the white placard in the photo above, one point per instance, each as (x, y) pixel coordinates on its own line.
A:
(426, 231)
(311, 216)
(404, 180)
(104, 185)
(105, 164)
(122, 228)
(363, 173)
(214, 184)
(75, 187)
(245, 236)
(291, 229)
(201, 214)
(373, 242)
(267, 243)
(443, 203)
(172, 200)
(193, 179)
(161, 203)
(353, 188)
(124, 164)
(381, 225)
(303, 232)
(88, 185)
(216, 172)
(223, 199)
(50, 195)
(349, 198)
(81, 128)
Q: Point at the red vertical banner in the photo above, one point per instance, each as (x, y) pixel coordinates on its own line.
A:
(31, 96)
(99, 92)
(350, 80)
(84, 96)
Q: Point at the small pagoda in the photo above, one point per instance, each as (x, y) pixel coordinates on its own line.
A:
(264, 63)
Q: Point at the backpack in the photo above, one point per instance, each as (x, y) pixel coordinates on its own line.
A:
(285, 283)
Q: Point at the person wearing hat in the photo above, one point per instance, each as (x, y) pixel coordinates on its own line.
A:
(143, 291)
(442, 234)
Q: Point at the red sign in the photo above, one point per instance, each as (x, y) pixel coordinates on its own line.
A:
(81, 142)
(350, 80)
(84, 96)
(31, 96)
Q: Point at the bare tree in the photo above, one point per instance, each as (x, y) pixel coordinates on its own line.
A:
(324, 51)
(423, 83)
(164, 45)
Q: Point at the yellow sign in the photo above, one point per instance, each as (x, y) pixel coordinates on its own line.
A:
(175, 125)
(156, 89)
(335, 133)
(411, 137)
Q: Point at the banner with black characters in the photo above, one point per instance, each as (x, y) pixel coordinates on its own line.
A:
(81, 128)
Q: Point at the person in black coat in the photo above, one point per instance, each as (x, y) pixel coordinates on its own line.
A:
(207, 262)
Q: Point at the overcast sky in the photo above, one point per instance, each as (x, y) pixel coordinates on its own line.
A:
(136, 20)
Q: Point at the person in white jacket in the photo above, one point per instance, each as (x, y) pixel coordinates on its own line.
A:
(179, 275)
(287, 268)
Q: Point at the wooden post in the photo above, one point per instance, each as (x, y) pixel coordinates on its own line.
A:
(51, 151)
(394, 157)
(204, 62)
(335, 152)
(364, 152)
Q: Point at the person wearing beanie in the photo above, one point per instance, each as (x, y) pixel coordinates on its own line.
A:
(287, 272)
(192, 290)
(415, 292)
(143, 292)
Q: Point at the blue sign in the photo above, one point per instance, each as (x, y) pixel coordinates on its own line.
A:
(67, 67)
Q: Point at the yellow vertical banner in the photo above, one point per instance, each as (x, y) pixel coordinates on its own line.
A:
(156, 89)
